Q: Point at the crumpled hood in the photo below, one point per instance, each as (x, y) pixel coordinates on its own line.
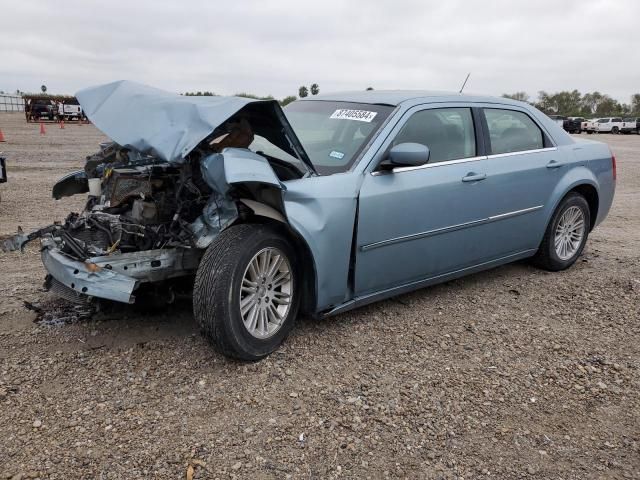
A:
(169, 126)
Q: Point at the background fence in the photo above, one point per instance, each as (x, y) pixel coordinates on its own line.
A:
(11, 103)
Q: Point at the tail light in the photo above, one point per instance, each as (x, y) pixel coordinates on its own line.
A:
(613, 166)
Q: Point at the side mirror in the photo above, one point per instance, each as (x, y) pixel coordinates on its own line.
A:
(409, 155)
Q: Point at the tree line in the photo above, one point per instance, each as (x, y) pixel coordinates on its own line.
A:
(303, 91)
(574, 104)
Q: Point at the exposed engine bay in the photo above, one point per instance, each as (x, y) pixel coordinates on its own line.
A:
(137, 202)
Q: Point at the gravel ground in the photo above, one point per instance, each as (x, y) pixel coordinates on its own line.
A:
(511, 373)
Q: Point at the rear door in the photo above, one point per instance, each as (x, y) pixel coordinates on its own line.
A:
(523, 168)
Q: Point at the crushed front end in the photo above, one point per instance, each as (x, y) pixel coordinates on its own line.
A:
(178, 171)
(135, 228)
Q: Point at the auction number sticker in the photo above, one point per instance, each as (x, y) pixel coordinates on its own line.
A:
(359, 115)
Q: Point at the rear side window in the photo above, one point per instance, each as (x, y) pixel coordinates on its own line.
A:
(448, 132)
(512, 131)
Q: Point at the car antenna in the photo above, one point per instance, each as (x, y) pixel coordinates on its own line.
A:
(465, 82)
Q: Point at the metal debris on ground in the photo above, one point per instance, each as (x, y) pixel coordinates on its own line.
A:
(59, 312)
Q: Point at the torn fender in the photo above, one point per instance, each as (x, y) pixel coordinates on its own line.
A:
(322, 210)
(237, 165)
(221, 171)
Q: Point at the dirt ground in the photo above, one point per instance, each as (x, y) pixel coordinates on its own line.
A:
(511, 373)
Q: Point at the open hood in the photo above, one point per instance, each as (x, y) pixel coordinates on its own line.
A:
(169, 126)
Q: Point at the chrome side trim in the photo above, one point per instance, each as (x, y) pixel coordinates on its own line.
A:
(416, 236)
(515, 213)
(523, 152)
(375, 173)
(452, 228)
(428, 165)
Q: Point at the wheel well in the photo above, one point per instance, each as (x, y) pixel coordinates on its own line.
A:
(591, 195)
(308, 301)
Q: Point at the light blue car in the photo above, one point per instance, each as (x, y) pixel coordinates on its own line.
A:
(341, 201)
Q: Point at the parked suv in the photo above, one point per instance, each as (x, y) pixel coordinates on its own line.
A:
(38, 108)
(609, 125)
(573, 124)
(631, 125)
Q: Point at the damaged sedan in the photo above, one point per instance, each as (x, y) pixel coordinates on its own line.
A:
(336, 202)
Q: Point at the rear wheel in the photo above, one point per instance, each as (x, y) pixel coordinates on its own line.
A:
(246, 293)
(615, 130)
(566, 234)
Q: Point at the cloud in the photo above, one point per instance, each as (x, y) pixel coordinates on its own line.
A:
(274, 47)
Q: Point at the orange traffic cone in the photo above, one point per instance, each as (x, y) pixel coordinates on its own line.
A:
(61, 124)
(2, 140)
(42, 130)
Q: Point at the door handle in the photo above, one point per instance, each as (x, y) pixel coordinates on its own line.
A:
(554, 164)
(474, 177)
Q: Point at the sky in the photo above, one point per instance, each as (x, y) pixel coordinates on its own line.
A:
(273, 47)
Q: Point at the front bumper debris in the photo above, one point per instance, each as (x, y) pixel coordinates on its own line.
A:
(87, 278)
(116, 277)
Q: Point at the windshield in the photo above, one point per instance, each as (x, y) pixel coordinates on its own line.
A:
(334, 133)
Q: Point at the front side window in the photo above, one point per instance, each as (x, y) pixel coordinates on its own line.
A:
(448, 132)
(512, 131)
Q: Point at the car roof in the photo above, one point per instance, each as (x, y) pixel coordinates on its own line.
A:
(397, 97)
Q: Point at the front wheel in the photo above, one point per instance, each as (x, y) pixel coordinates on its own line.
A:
(246, 292)
(566, 234)
(615, 130)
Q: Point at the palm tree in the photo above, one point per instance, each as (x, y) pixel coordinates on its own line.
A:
(315, 89)
(303, 91)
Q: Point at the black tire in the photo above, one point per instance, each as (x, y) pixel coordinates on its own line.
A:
(546, 256)
(615, 130)
(218, 283)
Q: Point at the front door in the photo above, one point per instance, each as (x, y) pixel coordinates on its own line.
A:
(420, 222)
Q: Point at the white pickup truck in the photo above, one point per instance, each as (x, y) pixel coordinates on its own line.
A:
(589, 125)
(631, 125)
(608, 125)
(69, 109)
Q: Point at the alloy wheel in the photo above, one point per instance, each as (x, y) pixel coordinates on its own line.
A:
(265, 293)
(569, 233)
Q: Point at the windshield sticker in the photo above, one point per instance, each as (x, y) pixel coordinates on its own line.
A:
(336, 154)
(359, 115)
